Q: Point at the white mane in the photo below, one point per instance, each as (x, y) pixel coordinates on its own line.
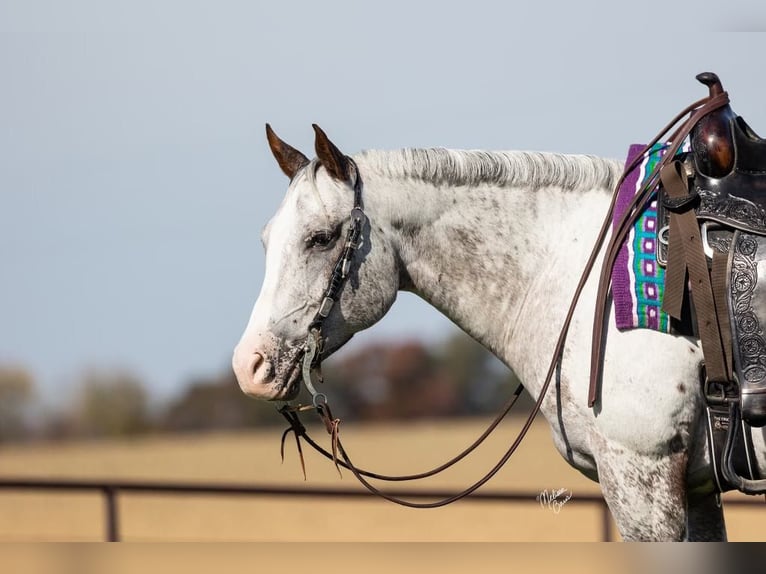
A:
(501, 168)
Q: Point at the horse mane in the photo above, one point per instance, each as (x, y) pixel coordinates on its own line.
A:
(470, 168)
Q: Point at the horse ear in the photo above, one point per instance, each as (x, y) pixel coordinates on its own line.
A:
(290, 160)
(330, 156)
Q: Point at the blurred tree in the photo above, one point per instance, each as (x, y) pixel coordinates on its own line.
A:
(110, 403)
(384, 380)
(390, 380)
(484, 382)
(216, 403)
(406, 380)
(17, 393)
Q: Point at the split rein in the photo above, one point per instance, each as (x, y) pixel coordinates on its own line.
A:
(311, 353)
(340, 456)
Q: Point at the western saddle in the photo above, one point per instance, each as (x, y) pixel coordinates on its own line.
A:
(712, 219)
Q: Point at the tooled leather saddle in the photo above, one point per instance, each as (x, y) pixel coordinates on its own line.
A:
(722, 182)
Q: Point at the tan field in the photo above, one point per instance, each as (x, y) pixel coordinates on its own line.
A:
(252, 458)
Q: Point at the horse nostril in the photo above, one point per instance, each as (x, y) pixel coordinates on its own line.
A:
(257, 362)
(248, 365)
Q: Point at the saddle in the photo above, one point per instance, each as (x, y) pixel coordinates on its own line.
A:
(712, 214)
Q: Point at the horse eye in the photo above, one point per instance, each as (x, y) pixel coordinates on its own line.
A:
(319, 239)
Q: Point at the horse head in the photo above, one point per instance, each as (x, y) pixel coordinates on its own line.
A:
(304, 243)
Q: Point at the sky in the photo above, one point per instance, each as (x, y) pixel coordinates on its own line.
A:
(135, 177)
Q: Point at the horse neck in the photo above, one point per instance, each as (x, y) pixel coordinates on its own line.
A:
(501, 261)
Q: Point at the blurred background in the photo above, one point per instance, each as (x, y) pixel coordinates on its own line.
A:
(135, 180)
(385, 380)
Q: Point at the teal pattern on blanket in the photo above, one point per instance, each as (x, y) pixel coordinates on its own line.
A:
(649, 275)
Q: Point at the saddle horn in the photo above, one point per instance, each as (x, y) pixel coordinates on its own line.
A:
(712, 81)
(712, 139)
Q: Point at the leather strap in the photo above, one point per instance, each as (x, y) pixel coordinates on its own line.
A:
(676, 185)
(718, 281)
(291, 414)
(675, 273)
(332, 425)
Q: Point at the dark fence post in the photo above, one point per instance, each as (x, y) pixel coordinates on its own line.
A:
(112, 517)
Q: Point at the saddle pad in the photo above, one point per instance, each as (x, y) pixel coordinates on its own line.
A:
(638, 282)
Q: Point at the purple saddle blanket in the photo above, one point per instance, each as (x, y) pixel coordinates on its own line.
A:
(638, 282)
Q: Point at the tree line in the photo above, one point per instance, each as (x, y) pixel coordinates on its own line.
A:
(381, 381)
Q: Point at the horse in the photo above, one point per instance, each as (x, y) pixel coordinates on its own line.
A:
(496, 241)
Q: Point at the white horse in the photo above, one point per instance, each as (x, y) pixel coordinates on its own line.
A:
(497, 242)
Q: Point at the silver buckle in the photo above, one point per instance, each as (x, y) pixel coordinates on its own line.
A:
(325, 307)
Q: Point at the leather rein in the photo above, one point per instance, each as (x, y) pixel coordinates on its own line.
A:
(311, 353)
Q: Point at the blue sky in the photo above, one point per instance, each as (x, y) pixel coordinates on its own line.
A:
(135, 177)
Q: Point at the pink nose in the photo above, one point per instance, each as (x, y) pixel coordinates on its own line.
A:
(252, 372)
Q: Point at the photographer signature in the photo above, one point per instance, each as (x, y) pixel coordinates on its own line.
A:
(554, 499)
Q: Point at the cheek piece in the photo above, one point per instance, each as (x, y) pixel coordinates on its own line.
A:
(312, 349)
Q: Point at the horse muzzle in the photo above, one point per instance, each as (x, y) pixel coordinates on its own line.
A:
(261, 377)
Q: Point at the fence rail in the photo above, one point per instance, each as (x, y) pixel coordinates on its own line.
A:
(110, 489)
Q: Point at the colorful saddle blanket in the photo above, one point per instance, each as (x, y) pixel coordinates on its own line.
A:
(638, 281)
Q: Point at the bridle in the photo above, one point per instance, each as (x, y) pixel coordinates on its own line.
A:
(312, 349)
